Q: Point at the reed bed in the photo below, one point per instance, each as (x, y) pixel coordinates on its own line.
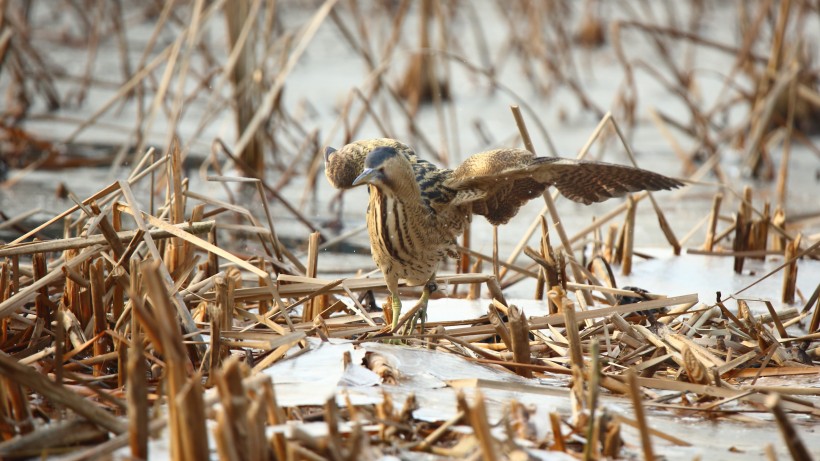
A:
(135, 314)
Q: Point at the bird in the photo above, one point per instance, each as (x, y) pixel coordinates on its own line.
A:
(416, 210)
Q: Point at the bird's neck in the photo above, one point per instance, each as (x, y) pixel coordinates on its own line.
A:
(403, 189)
(407, 195)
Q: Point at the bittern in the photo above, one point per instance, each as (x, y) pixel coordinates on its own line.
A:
(416, 210)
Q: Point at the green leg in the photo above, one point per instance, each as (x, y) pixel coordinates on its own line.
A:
(396, 309)
(421, 315)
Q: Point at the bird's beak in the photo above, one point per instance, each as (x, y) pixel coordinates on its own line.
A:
(328, 150)
(367, 176)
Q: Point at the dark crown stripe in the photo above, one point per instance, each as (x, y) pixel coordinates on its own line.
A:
(378, 156)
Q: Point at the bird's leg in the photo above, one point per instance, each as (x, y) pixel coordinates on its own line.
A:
(421, 307)
(396, 304)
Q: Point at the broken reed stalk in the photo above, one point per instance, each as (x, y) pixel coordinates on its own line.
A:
(187, 418)
(225, 300)
(539, 283)
(628, 237)
(694, 368)
(137, 397)
(714, 215)
(814, 303)
(576, 356)
(215, 343)
(495, 290)
(225, 443)
(275, 416)
(550, 273)
(573, 263)
(610, 246)
(101, 345)
(52, 439)
(42, 305)
(779, 221)
(58, 394)
(501, 330)
(790, 271)
(463, 264)
(84, 242)
(594, 379)
(742, 227)
(640, 416)
(17, 409)
(384, 411)
(557, 435)
(520, 340)
(314, 306)
(476, 415)
(246, 89)
(792, 439)
(475, 288)
(783, 174)
(235, 405)
(24, 295)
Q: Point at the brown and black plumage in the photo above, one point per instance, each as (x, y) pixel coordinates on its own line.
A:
(416, 210)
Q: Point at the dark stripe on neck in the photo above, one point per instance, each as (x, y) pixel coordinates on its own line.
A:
(383, 216)
(401, 227)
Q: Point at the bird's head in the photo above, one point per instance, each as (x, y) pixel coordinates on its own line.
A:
(385, 168)
(342, 166)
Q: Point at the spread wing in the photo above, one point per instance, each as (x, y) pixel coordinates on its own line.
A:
(503, 180)
(495, 184)
(589, 182)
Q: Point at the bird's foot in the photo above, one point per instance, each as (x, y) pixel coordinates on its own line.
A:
(420, 316)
